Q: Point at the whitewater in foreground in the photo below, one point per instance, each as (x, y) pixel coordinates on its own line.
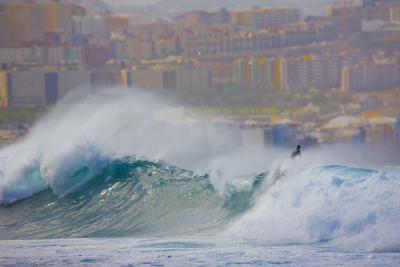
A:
(105, 183)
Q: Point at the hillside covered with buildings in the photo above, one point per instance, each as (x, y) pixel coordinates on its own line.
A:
(270, 71)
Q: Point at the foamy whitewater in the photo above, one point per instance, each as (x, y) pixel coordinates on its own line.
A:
(127, 182)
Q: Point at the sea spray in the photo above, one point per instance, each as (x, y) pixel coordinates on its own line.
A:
(80, 135)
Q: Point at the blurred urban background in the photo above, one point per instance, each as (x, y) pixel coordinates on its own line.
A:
(311, 72)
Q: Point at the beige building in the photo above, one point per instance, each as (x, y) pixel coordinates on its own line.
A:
(24, 86)
(74, 79)
(221, 67)
(265, 17)
(168, 76)
(395, 14)
(192, 77)
(147, 78)
(139, 49)
(3, 89)
(166, 46)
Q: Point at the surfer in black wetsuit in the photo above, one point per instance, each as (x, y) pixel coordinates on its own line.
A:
(296, 152)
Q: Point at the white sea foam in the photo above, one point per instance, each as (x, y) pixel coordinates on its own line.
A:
(349, 207)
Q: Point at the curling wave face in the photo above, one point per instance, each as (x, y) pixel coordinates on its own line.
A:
(127, 197)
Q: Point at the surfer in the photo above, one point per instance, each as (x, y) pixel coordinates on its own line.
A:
(296, 152)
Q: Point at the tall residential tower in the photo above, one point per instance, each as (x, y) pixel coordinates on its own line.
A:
(30, 21)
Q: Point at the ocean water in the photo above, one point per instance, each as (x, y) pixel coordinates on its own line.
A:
(111, 182)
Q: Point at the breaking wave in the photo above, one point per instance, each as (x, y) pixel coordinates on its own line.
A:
(107, 168)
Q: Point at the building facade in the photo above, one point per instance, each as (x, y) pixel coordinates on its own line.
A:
(3, 26)
(260, 18)
(197, 17)
(53, 55)
(346, 19)
(364, 77)
(171, 77)
(92, 24)
(30, 21)
(258, 73)
(318, 72)
(27, 86)
(95, 54)
(115, 22)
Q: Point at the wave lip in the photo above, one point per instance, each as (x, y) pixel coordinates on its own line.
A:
(63, 171)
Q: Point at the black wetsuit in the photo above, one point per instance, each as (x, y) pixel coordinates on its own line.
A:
(295, 153)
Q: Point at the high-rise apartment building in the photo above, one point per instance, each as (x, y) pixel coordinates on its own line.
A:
(260, 18)
(241, 17)
(37, 85)
(258, 73)
(58, 17)
(3, 26)
(395, 14)
(25, 22)
(318, 72)
(346, 19)
(30, 21)
(371, 76)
